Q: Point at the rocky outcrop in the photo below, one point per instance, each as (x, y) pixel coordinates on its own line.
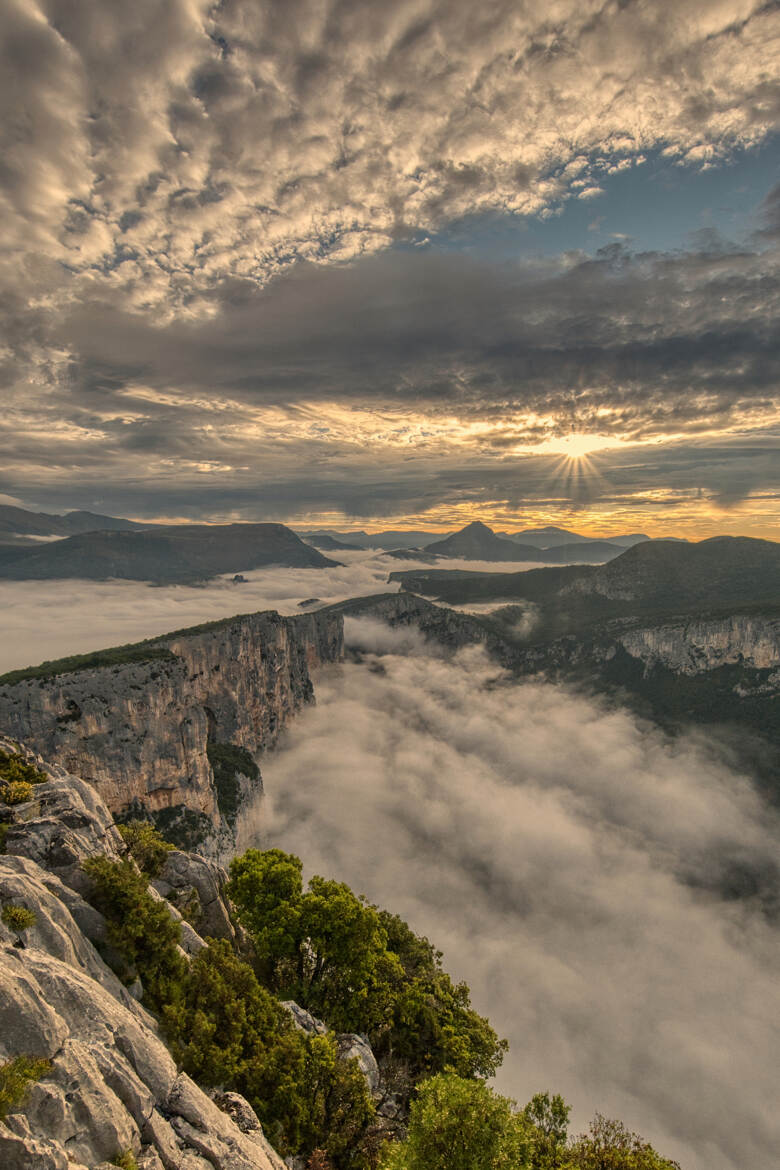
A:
(138, 730)
(349, 1045)
(112, 1085)
(197, 884)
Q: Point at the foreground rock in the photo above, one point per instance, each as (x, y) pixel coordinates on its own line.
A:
(112, 1087)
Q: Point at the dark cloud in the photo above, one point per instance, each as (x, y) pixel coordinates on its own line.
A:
(237, 412)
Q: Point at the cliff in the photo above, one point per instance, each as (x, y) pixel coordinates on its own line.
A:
(715, 668)
(694, 646)
(142, 726)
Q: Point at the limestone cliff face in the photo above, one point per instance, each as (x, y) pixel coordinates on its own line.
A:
(692, 647)
(139, 731)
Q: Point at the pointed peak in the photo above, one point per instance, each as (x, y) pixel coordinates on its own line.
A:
(477, 526)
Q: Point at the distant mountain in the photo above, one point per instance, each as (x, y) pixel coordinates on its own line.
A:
(388, 540)
(328, 542)
(185, 553)
(591, 552)
(715, 571)
(477, 542)
(18, 521)
(654, 575)
(552, 537)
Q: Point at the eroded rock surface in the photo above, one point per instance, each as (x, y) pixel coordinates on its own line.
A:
(112, 1086)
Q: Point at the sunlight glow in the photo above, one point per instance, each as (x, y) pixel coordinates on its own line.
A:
(576, 446)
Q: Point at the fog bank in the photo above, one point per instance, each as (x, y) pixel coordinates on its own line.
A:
(49, 619)
(569, 861)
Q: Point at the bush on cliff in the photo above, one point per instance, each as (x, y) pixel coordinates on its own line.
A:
(227, 1030)
(147, 846)
(14, 767)
(140, 927)
(609, 1145)
(16, 1076)
(459, 1124)
(359, 968)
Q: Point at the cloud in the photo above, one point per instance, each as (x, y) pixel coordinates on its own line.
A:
(240, 137)
(578, 870)
(411, 379)
(206, 237)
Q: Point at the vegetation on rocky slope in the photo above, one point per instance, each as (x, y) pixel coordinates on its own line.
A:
(16, 1076)
(360, 969)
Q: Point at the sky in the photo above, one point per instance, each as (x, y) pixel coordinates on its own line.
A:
(352, 264)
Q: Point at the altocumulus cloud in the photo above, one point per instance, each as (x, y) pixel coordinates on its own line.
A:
(162, 144)
(570, 862)
(164, 161)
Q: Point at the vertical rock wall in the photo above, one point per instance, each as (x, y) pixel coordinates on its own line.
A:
(139, 731)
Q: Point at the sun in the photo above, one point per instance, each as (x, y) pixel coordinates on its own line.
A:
(578, 446)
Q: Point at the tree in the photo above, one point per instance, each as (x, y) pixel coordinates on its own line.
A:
(360, 968)
(147, 846)
(460, 1124)
(228, 1030)
(549, 1118)
(140, 927)
(325, 948)
(609, 1145)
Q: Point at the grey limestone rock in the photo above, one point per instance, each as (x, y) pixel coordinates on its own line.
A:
(349, 1045)
(352, 1046)
(189, 877)
(304, 1020)
(112, 1082)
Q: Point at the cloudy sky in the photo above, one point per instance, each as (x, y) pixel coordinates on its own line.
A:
(348, 262)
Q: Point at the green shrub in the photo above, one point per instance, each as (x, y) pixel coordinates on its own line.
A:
(16, 792)
(15, 767)
(140, 927)
(548, 1119)
(227, 1030)
(16, 1076)
(125, 1161)
(609, 1145)
(147, 846)
(359, 968)
(18, 918)
(4, 828)
(460, 1124)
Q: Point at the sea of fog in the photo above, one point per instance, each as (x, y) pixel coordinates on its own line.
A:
(567, 858)
(50, 619)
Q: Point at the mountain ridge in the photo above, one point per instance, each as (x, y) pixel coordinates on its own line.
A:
(175, 554)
